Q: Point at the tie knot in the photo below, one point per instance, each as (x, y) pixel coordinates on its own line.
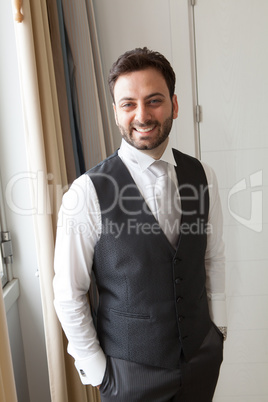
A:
(159, 168)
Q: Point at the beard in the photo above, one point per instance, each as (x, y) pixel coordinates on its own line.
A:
(144, 143)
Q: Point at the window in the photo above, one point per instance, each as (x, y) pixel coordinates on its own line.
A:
(3, 273)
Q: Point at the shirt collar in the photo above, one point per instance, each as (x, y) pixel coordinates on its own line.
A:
(143, 160)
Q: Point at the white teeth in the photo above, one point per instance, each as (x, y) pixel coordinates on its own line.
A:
(144, 130)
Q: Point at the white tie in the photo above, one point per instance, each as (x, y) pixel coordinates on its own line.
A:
(165, 198)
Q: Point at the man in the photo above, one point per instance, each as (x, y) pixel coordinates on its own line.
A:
(159, 268)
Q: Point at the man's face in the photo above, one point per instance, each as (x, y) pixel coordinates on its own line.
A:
(143, 109)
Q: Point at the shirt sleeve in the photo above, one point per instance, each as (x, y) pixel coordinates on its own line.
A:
(215, 257)
(78, 230)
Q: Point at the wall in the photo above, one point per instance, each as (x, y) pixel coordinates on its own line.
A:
(16, 346)
(24, 319)
(232, 61)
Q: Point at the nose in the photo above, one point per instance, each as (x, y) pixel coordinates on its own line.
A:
(142, 114)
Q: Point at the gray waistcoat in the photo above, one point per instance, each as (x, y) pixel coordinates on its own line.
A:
(152, 298)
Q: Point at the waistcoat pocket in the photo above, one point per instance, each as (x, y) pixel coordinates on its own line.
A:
(129, 315)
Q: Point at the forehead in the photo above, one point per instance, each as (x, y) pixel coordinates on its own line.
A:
(139, 84)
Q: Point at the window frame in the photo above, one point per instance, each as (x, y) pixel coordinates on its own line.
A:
(3, 266)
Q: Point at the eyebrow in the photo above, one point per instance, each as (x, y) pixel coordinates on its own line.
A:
(126, 98)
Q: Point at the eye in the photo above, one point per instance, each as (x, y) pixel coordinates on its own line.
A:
(127, 105)
(155, 101)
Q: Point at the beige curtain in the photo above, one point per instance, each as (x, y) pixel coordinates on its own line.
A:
(46, 157)
(61, 89)
(89, 95)
(7, 383)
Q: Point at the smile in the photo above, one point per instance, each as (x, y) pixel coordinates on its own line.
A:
(144, 130)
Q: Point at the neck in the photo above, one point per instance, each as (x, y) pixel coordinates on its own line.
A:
(157, 152)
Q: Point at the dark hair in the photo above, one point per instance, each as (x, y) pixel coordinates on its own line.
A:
(141, 59)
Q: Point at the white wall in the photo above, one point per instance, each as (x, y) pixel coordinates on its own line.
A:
(13, 167)
(17, 352)
(232, 60)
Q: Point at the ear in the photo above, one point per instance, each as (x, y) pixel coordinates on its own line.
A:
(115, 114)
(175, 106)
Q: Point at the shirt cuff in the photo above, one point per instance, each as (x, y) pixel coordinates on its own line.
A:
(217, 310)
(224, 332)
(91, 370)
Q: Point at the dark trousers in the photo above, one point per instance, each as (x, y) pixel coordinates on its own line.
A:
(194, 381)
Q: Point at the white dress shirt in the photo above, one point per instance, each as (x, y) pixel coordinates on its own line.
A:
(79, 228)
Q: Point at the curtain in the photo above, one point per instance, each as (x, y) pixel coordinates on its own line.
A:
(70, 128)
(65, 109)
(35, 126)
(45, 153)
(84, 79)
(48, 128)
(7, 382)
